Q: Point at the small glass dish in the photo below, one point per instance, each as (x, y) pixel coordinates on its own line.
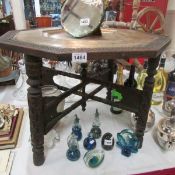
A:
(128, 142)
(94, 158)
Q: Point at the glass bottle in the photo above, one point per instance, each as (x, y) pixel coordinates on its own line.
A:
(73, 152)
(96, 131)
(89, 142)
(141, 76)
(76, 129)
(159, 84)
(131, 82)
(119, 81)
(170, 90)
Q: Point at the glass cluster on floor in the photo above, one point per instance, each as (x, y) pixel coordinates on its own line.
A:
(126, 141)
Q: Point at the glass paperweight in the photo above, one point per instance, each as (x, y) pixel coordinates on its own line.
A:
(96, 131)
(128, 142)
(94, 158)
(89, 142)
(107, 141)
(73, 152)
(76, 129)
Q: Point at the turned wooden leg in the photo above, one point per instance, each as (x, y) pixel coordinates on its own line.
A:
(33, 70)
(84, 75)
(146, 98)
(110, 78)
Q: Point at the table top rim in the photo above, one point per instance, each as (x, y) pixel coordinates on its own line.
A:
(153, 50)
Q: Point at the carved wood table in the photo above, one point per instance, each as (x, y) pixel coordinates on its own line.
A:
(55, 44)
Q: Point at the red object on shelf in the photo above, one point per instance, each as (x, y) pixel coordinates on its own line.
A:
(161, 4)
(170, 171)
(44, 21)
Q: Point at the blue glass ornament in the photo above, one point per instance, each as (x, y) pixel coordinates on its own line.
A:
(73, 152)
(89, 142)
(76, 129)
(128, 142)
(96, 131)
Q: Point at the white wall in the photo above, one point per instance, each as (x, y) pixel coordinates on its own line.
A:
(37, 8)
(18, 14)
(170, 22)
(171, 5)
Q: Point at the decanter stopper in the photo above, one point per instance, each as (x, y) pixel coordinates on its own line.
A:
(73, 152)
(76, 129)
(89, 142)
(96, 131)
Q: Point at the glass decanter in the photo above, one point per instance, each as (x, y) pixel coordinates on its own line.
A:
(76, 129)
(89, 142)
(96, 131)
(159, 85)
(128, 142)
(73, 152)
(119, 81)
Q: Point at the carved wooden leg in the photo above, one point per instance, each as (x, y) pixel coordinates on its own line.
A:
(84, 75)
(33, 70)
(110, 78)
(146, 98)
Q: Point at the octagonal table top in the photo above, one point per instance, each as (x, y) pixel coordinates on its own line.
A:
(55, 43)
